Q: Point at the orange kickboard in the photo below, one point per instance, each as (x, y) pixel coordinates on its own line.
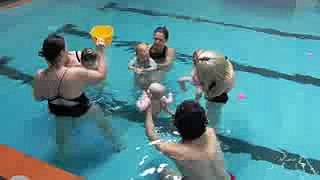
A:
(15, 163)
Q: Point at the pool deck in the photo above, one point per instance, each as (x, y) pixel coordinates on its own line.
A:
(17, 163)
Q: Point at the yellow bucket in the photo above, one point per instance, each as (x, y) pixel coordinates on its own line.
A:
(102, 32)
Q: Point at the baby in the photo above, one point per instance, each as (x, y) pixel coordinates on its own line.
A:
(155, 95)
(89, 58)
(193, 78)
(142, 62)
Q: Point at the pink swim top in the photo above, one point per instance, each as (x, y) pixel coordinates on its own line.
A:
(144, 101)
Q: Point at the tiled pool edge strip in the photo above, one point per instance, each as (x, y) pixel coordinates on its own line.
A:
(115, 6)
(72, 29)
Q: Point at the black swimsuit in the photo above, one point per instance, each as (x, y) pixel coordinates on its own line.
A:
(159, 57)
(82, 106)
(223, 98)
(79, 59)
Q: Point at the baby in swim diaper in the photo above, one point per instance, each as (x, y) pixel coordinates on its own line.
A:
(142, 62)
(155, 95)
(193, 78)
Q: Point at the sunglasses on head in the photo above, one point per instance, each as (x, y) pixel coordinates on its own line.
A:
(197, 59)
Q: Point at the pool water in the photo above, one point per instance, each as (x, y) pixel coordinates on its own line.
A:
(272, 133)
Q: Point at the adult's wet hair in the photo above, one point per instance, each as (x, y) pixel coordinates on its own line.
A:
(52, 47)
(88, 55)
(190, 119)
(162, 30)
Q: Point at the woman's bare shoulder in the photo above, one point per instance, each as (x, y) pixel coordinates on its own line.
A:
(171, 49)
(40, 74)
(171, 52)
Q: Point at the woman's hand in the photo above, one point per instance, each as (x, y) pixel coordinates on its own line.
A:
(139, 70)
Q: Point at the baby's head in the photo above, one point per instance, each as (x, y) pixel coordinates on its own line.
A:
(142, 52)
(157, 90)
(89, 58)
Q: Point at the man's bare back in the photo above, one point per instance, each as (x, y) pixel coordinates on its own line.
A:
(198, 156)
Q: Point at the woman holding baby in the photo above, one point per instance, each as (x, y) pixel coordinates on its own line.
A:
(62, 87)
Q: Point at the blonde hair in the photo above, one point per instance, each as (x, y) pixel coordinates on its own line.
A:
(214, 67)
(223, 68)
(141, 46)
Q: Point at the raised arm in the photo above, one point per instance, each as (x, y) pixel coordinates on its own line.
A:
(93, 77)
(149, 126)
(167, 148)
(165, 101)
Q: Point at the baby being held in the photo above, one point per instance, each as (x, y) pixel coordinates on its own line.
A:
(142, 62)
(193, 78)
(89, 58)
(155, 95)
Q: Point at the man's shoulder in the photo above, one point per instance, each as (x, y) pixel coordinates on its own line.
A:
(173, 150)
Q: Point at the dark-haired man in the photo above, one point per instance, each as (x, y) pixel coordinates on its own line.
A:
(198, 155)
